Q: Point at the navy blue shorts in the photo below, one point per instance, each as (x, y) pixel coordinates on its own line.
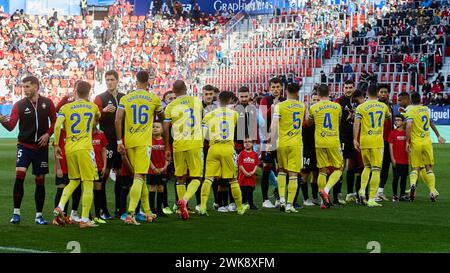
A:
(155, 179)
(269, 157)
(114, 159)
(309, 161)
(27, 156)
(62, 180)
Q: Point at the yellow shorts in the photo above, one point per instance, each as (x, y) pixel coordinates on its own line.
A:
(372, 157)
(290, 158)
(329, 157)
(421, 155)
(139, 158)
(81, 165)
(190, 159)
(221, 162)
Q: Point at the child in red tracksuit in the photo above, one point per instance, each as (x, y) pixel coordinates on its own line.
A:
(157, 174)
(248, 163)
(99, 143)
(399, 158)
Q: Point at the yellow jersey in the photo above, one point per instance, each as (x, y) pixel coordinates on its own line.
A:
(221, 124)
(372, 114)
(78, 118)
(140, 107)
(419, 115)
(290, 114)
(326, 116)
(185, 114)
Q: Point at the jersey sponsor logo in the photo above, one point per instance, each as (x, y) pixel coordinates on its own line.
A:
(133, 130)
(27, 111)
(158, 147)
(76, 138)
(292, 133)
(96, 142)
(249, 160)
(328, 134)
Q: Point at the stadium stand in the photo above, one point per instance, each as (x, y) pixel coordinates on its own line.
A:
(404, 44)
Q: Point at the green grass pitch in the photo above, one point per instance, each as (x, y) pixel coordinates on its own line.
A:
(420, 226)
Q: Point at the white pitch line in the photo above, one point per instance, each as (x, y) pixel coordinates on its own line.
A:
(15, 249)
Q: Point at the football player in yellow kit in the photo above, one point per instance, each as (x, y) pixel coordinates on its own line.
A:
(137, 110)
(418, 144)
(369, 125)
(286, 137)
(78, 118)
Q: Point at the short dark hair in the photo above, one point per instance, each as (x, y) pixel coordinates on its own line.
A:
(167, 93)
(216, 90)
(243, 89)
(385, 86)
(83, 89)
(31, 79)
(358, 94)
(179, 86)
(142, 76)
(208, 87)
(293, 88)
(323, 91)
(112, 73)
(400, 116)
(372, 90)
(275, 81)
(349, 82)
(415, 98)
(225, 97)
(404, 94)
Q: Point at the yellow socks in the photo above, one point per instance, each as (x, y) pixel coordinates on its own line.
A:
(206, 188)
(88, 196)
(374, 183)
(67, 193)
(413, 177)
(135, 194)
(431, 181)
(423, 175)
(334, 178)
(191, 189)
(144, 200)
(181, 189)
(237, 194)
(365, 178)
(292, 189)
(322, 180)
(281, 181)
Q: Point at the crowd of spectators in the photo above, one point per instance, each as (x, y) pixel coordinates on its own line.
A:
(63, 49)
(409, 34)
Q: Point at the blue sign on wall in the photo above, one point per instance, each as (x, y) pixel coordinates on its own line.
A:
(211, 6)
(439, 114)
